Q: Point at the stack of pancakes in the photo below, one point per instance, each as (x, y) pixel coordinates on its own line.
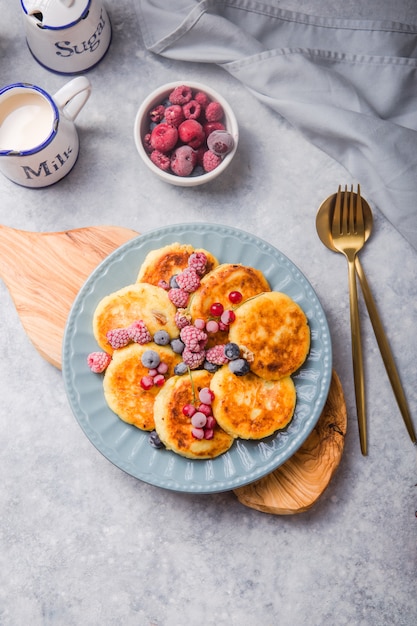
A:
(270, 329)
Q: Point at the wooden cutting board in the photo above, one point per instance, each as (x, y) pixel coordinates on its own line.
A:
(44, 272)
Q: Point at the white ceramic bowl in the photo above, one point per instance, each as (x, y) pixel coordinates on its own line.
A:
(141, 128)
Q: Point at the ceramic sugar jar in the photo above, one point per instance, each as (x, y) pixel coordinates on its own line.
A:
(66, 36)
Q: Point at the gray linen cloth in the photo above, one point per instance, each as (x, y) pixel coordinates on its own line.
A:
(349, 86)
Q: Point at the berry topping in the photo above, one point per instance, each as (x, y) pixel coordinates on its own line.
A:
(214, 112)
(183, 161)
(198, 262)
(210, 367)
(198, 419)
(118, 338)
(228, 316)
(191, 132)
(157, 113)
(206, 395)
(161, 160)
(240, 367)
(211, 161)
(193, 359)
(98, 361)
(182, 319)
(178, 297)
(212, 326)
(181, 95)
(146, 382)
(161, 338)
(155, 441)
(200, 323)
(164, 137)
(198, 433)
(216, 355)
(139, 333)
(150, 359)
(235, 297)
(173, 282)
(159, 380)
(180, 369)
(193, 338)
(192, 110)
(202, 99)
(174, 115)
(216, 309)
(210, 127)
(188, 410)
(177, 346)
(188, 280)
(232, 351)
(162, 368)
(220, 142)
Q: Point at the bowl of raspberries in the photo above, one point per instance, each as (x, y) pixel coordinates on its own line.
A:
(186, 133)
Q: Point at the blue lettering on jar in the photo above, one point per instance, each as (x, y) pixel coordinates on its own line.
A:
(68, 49)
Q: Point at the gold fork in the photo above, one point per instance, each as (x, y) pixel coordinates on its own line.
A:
(348, 233)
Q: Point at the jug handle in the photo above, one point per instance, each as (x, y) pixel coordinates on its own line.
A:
(72, 96)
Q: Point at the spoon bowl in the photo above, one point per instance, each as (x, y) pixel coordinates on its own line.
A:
(324, 221)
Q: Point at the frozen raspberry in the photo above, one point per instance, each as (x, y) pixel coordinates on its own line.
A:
(139, 333)
(210, 127)
(192, 110)
(191, 132)
(180, 95)
(147, 143)
(193, 359)
(182, 319)
(220, 142)
(98, 361)
(210, 161)
(118, 338)
(164, 137)
(200, 155)
(174, 115)
(189, 280)
(193, 338)
(161, 160)
(198, 262)
(183, 160)
(178, 297)
(214, 112)
(157, 113)
(216, 355)
(163, 284)
(202, 99)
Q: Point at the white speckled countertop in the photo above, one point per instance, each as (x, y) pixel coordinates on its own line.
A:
(83, 543)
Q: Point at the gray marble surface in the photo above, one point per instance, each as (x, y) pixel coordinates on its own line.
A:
(82, 543)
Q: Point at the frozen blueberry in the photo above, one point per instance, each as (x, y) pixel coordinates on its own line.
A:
(180, 369)
(210, 367)
(232, 351)
(150, 359)
(240, 367)
(173, 282)
(161, 338)
(155, 441)
(177, 346)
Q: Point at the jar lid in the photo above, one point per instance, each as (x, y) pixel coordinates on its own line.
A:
(56, 13)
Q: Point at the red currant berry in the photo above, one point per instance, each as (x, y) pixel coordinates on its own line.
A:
(188, 410)
(228, 316)
(159, 380)
(146, 382)
(235, 297)
(216, 309)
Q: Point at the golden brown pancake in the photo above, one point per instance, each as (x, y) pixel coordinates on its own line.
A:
(216, 286)
(275, 330)
(250, 407)
(121, 384)
(174, 428)
(129, 304)
(163, 263)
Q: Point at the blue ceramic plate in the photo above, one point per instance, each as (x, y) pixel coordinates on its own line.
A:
(126, 446)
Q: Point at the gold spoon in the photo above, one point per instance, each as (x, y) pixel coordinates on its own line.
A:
(323, 225)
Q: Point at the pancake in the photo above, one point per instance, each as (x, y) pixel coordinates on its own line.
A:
(134, 302)
(163, 263)
(216, 286)
(174, 428)
(275, 330)
(121, 383)
(250, 407)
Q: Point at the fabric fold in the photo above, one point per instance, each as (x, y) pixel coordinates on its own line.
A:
(349, 86)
